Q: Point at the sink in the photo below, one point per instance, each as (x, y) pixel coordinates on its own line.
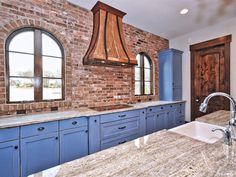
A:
(199, 131)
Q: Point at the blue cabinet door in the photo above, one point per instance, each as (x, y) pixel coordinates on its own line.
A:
(170, 74)
(142, 122)
(73, 144)
(150, 123)
(39, 153)
(9, 159)
(171, 118)
(161, 121)
(94, 134)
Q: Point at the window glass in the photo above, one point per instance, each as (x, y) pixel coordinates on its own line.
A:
(143, 77)
(21, 64)
(52, 89)
(147, 88)
(52, 67)
(21, 89)
(147, 74)
(23, 42)
(50, 47)
(137, 73)
(137, 88)
(146, 62)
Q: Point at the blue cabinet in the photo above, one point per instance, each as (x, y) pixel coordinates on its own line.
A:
(118, 128)
(9, 159)
(94, 134)
(150, 123)
(73, 139)
(40, 150)
(9, 152)
(164, 117)
(170, 74)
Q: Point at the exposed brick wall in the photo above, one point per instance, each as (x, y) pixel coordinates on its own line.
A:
(72, 25)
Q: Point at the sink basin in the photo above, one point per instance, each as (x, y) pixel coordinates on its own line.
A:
(199, 131)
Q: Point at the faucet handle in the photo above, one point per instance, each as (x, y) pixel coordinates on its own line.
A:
(226, 134)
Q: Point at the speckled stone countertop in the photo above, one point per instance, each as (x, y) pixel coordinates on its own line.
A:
(218, 118)
(159, 154)
(19, 120)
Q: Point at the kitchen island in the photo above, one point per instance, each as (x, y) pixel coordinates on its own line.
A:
(159, 154)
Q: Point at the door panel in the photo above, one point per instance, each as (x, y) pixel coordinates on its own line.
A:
(9, 159)
(39, 153)
(210, 73)
(73, 144)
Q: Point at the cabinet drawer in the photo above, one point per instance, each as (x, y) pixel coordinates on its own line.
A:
(180, 121)
(9, 134)
(105, 145)
(73, 123)
(119, 116)
(38, 129)
(120, 128)
(154, 109)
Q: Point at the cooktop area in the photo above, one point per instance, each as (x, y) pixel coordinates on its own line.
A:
(110, 107)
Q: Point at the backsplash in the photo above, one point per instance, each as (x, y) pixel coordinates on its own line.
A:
(85, 86)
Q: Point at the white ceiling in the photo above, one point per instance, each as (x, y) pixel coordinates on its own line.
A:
(162, 17)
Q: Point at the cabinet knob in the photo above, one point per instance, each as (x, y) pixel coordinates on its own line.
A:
(150, 109)
(74, 123)
(16, 147)
(86, 131)
(123, 115)
(56, 138)
(157, 115)
(143, 112)
(95, 120)
(122, 127)
(161, 107)
(41, 129)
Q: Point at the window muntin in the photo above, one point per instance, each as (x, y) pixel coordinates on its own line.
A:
(143, 75)
(34, 66)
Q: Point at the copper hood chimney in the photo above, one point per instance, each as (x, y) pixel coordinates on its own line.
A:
(107, 46)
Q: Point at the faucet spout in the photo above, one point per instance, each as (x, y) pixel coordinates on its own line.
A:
(203, 106)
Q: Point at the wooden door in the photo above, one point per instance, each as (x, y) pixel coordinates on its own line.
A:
(210, 72)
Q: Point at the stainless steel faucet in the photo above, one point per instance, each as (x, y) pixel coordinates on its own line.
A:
(227, 135)
(232, 122)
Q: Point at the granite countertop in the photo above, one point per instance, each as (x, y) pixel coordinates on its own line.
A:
(19, 120)
(220, 118)
(159, 154)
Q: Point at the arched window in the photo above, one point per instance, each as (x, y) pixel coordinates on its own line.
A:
(143, 75)
(35, 66)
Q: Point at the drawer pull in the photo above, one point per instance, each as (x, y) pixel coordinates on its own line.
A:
(122, 142)
(74, 123)
(150, 109)
(41, 129)
(122, 115)
(16, 147)
(161, 107)
(122, 127)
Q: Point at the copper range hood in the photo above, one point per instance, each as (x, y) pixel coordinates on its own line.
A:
(107, 46)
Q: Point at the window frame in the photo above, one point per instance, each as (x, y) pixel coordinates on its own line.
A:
(142, 75)
(38, 65)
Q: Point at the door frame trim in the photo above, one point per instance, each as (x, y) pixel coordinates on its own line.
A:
(224, 40)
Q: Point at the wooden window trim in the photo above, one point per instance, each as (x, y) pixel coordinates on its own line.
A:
(38, 70)
(142, 75)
